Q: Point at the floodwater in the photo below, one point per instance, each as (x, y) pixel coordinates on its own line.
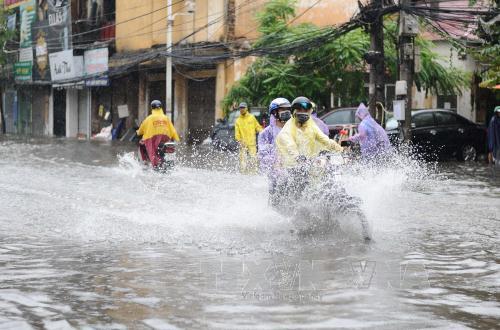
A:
(90, 240)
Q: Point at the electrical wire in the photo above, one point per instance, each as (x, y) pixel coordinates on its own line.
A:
(287, 46)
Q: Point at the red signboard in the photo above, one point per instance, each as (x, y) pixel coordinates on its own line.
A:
(13, 3)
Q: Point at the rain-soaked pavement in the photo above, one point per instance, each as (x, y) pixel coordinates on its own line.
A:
(90, 240)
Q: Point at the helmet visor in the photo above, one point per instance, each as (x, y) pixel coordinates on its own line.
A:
(302, 105)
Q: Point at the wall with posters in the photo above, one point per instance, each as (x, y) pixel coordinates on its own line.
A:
(51, 34)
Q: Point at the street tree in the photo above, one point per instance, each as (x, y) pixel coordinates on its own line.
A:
(6, 35)
(336, 66)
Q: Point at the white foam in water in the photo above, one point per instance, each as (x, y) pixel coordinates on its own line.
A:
(132, 202)
(189, 199)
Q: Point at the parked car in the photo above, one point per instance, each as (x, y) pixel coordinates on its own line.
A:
(338, 119)
(223, 132)
(439, 133)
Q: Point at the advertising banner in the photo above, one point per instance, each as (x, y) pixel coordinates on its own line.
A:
(9, 4)
(51, 33)
(26, 54)
(41, 69)
(22, 71)
(96, 61)
(27, 12)
(62, 66)
(56, 18)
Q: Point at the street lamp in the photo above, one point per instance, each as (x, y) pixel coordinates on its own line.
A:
(190, 5)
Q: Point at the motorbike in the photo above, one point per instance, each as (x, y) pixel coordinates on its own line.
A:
(313, 195)
(166, 152)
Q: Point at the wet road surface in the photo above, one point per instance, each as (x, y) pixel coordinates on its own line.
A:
(90, 240)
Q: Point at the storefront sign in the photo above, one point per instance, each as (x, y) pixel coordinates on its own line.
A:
(26, 54)
(22, 71)
(9, 4)
(62, 66)
(27, 11)
(96, 61)
(97, 82)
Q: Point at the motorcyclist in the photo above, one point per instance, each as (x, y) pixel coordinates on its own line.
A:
(371, 136)
(155, 129)
(494, 137)
(321, 124)
(245, 131)
(280, 111)
(301, 138)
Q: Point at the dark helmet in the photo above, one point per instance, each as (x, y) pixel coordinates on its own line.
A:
(302, 102)
(156, 104)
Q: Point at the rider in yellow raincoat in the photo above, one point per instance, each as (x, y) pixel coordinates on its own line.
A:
(155, 129)
(301, 137)
(245, 131)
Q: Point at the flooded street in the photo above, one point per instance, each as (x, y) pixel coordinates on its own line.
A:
(90, 240)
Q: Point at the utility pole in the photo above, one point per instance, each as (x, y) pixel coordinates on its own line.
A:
(375, 57)
(168, 70)
(190, 7)
(408, 30)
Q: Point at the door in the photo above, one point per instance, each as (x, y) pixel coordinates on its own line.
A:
(201, 109)
(424, 134)
(83, 113)
(24, 120)
(449, 135)
(10, 111)
(59, 100)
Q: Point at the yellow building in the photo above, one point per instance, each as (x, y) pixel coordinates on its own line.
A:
(214, 26)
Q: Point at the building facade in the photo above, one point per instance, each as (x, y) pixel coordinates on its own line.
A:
(117, 53)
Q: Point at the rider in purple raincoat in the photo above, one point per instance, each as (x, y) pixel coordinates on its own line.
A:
(320, 123)
(371, 136)
(279, 114)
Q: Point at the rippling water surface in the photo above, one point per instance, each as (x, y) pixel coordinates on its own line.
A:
(90, 240)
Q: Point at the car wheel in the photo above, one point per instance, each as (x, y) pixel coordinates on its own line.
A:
(467, 153)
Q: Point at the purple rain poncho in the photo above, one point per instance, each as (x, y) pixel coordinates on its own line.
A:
(321, 124)
(371, 136)
(494, 136)
(267, 148)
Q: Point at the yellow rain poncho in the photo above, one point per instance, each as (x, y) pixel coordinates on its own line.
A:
(307, 140)
(246, 129)
(157, 124)
(245, 132)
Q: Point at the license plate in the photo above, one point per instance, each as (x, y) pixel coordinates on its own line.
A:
(169, 156)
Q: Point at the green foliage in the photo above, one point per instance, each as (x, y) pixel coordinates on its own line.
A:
(434, 77)
(488, 53)
(337, 66)
(5, 35)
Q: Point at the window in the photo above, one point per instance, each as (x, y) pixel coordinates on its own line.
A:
(448, 102)
(339, 118)
(445, 119)
(424, 120)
